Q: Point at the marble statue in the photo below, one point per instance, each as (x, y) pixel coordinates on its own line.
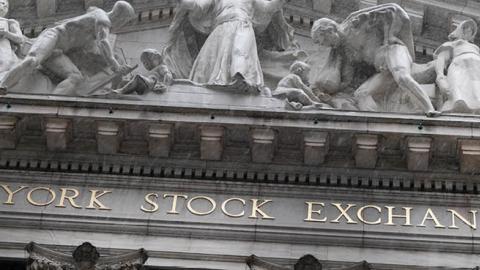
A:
(294, 90)
(223, 42)
(157, 80)
(307, 262)
(84, 257)
(458, 70)
(51, 49)
(375, 43)
(11, 38)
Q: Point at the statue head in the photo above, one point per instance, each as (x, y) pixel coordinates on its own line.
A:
(4, 6)
(301, 69)
(122, 12)
(308, 262)
(326, 33)
(466, 30)
(151, 59)
(86, 256)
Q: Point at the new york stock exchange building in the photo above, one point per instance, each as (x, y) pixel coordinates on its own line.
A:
(239, 134)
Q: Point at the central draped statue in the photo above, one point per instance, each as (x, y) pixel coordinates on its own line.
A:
(221, 42)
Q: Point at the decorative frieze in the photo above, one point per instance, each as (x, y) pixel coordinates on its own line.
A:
(84, 257)
(315, 147)
(365, 151)
(108, 137)
(262, 145)
(57, 133)
(418, 153)
(211, 142)
(8, 132)
(469, 156)
(160, 138)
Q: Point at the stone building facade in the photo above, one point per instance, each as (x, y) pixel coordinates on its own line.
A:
(203, 180)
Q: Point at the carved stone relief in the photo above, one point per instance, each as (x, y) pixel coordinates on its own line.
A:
(84, 257)
(364, 63)
(307, 262)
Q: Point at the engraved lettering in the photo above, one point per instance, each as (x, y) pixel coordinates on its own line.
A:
(11, 193)
(256, 209)
(311, 211)
(212, 203)
(173, 210)
(51, 194)
(153, 204)
(226, 212)
(94, 200)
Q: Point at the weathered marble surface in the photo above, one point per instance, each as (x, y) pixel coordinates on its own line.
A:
(365, 63)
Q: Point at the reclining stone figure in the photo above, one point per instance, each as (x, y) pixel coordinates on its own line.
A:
(157, 79)
(294, 90)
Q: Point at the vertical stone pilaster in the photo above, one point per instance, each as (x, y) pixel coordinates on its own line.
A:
(469, 156)
(160, 138)
(315, 147)
(418, 153)
(58, 134)
(8, 132)
(211, 142)
(366, 151)
(108, 137)
(262, 145)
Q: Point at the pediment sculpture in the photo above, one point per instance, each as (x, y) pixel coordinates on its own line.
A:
(307, 262)
(364, 63)
(84, 257)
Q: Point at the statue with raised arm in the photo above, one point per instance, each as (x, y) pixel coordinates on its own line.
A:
(378, 42)
(458, 70)
(214, 42)
(11, 38)
(52, 48)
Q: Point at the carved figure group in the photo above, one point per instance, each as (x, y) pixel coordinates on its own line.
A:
(247, 46)
(52, 47)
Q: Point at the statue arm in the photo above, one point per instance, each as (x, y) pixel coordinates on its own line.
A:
(440, 65)
(307, 90)
(104, 45)
(14, 34)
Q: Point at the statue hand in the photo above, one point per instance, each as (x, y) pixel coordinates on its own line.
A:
(3, 32)
(324, 97)
(122, 70)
